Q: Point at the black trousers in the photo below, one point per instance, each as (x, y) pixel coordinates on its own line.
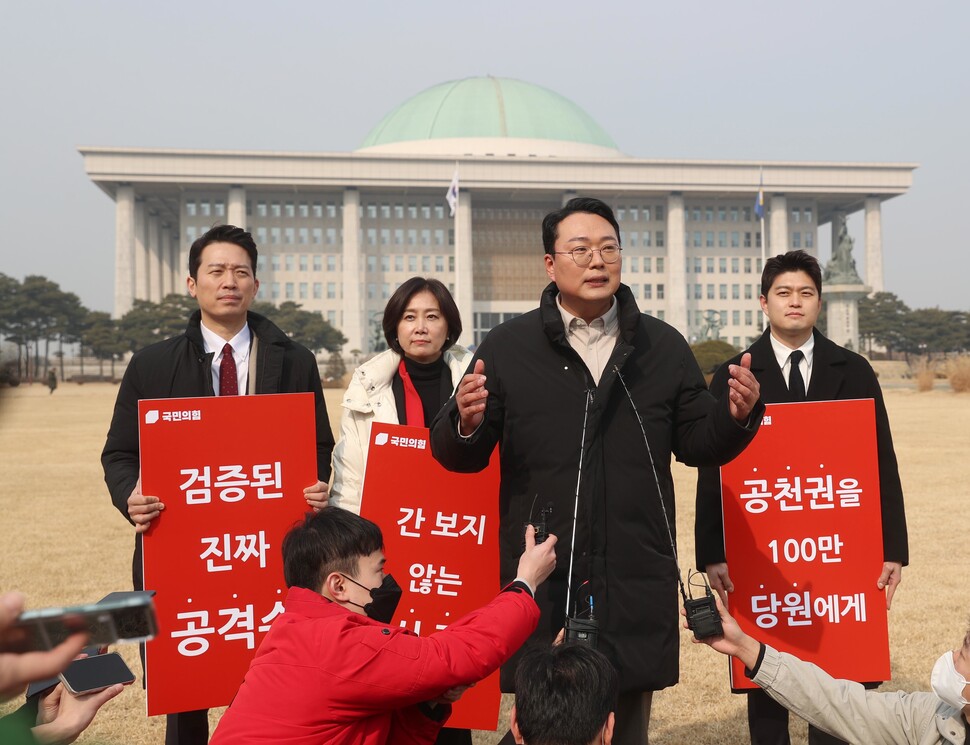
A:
(449, 736)
(187, 728)
(768, 723)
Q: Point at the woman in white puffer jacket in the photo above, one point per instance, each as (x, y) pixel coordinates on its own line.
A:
(406, 384)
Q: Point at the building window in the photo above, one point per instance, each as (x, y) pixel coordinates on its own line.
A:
(722, 265)
(697, 239)
(647, 261)
(275, 262)
(261, 209)
(451, 262)
(736, 319)
(796, 214)
(710, 292)
(371, 290)
(332, 263)
(660, 265)
(722, 239)
(735, 292)
(439, 263)
(697, 264)
(276, 291)
(425, 263)
(695, 214)
(659, 236)
(648, 292)
(399, 211)
(274, 209)
(735, 239)
(796, 240)
(709, 239)
(808, 214)
(698, 291)
(318, 263)
(288, 258)
(747, 292)
(289, 235)
(721, 214)
(385, 263)
(289, 290)
(708, 214)
(735, 265)
(399, 263)
(747, 239)
(722, 292)
(746, 214)
(318, 235)
(660, 292)
(748, 316)
(304, 262)
(303, 290)
(646, 214)
(412, 264)
(412, 236)
(332, 317)
(809, 239)
(634, 264)
(331, 290)
(385, 236)
(734, 214)
(371, 263)
(204, 208)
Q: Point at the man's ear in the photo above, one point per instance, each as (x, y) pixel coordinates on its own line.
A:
(335, 587)
(608, 729)
(514, 726)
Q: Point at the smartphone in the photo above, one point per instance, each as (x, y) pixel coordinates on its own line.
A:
(90, 674)
(130, 618)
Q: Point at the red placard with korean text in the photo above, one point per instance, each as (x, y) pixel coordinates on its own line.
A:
(231, 472)
(441, 541)
(803, 538)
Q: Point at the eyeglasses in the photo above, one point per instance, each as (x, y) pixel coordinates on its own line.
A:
(583, 255)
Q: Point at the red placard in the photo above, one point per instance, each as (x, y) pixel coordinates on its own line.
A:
(231, 472)
(803, 538)
(441, 541)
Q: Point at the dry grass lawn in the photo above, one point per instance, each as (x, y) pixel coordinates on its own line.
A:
(61, 541)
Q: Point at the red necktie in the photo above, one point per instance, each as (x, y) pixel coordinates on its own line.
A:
(228, 384)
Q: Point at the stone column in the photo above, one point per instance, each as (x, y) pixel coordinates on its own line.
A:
(236, 213)
(778, 230)
(842, 313)
(154, 259)
(874, 276)
(124, 249)
(354, 326)
(168, 260)
(141, 252)
(675, 296)
(464, 289)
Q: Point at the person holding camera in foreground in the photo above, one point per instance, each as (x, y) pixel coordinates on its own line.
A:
(564, 694)
(331, 669)
(57, 717)
(845, 708)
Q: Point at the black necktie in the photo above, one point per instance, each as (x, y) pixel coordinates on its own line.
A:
(796, 383)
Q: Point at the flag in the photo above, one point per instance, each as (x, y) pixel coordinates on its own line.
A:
(759, 201)
(452, 195)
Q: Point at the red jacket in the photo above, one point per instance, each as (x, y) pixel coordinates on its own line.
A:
(326, 675)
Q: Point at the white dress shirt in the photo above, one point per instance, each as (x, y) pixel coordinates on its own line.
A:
(241, 344)
(783, 356)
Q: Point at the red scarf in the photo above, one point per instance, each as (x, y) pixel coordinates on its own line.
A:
(412, 401)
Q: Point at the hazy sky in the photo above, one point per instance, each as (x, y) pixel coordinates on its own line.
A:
(884, 81)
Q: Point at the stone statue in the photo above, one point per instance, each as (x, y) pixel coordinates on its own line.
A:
(711, 330)
(841, 269)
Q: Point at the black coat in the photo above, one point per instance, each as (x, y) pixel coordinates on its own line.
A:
(837, 375)
(179, 368)
(537, 388)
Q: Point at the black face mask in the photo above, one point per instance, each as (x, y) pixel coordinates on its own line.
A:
(384, 599)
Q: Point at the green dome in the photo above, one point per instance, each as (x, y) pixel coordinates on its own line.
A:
(488, 108)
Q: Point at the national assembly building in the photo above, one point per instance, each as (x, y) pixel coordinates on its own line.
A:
(338, 232)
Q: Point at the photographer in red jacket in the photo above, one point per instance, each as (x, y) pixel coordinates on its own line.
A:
(331, 670)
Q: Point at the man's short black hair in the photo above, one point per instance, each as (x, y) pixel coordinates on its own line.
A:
(793, 261)
(563, 694)
(221, 234)
(398, 303)
(592, 205)
(331, 540)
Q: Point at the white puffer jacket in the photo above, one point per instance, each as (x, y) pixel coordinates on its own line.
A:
(370, 398)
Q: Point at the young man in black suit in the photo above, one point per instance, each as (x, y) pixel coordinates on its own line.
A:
(793, 361)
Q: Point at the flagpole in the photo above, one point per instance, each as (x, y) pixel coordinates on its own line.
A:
(764, 235)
